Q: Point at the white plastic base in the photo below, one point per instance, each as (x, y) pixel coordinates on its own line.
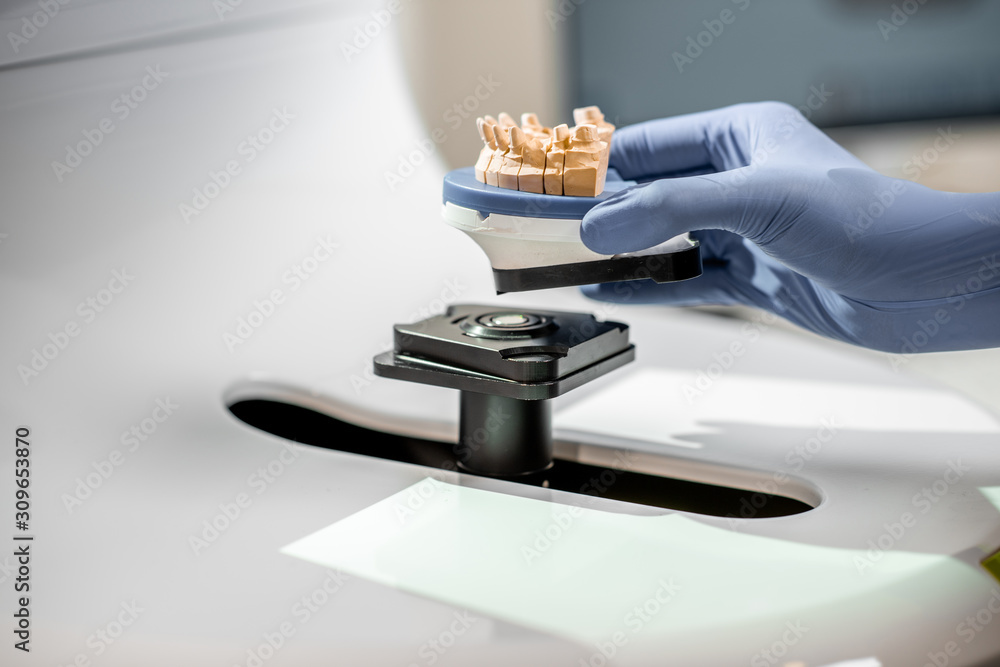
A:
(513, 242)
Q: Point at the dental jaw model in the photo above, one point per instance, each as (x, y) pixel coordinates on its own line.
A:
(555, 160)
(505, 120)
(593, 116)
(586, 163)
(524, 201)
(510, 162)
(485, 155)
(512, 157)
(532, 157)
(532, 152)
(491, 175)
(532, 127)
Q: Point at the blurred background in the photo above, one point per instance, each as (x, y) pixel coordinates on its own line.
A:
(880, 76)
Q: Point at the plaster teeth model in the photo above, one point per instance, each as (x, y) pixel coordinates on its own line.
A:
(532, 151)
(555, 159)
(485, 155)
(492, 174)
(543, 160)
(534, 128)
(593, 116)
(510, 161)
(586, 163)
(506, 121)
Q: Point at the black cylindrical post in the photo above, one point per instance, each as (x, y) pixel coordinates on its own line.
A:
(504, 437)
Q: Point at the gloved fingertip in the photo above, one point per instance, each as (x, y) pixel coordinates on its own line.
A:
(593, 236)
(592, 291)
(600, 230)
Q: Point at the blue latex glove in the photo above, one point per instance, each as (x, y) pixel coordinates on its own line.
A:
(794, 224)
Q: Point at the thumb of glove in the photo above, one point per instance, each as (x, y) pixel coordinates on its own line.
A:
(648, 214)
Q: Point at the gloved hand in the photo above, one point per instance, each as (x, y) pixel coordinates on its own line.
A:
(794, 224)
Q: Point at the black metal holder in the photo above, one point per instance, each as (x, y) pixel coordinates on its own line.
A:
(503, 436)
(507, 363)
(661, 268)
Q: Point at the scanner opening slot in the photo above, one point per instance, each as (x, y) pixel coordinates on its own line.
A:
(309, 427)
